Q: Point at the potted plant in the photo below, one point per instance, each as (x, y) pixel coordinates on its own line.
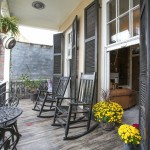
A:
(107, 113)
(130, 136)
(9, 24)
(32, 85)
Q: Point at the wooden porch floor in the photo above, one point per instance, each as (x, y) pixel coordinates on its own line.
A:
(38, 134)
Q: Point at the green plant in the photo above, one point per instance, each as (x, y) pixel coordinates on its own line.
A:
(9, 24)
(107, 111)
(129, 134)
(33, 85)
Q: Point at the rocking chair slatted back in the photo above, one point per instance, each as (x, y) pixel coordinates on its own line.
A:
(85, 93)
(62, 85)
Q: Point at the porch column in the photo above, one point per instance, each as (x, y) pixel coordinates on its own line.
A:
(7, 67)
(104, 61)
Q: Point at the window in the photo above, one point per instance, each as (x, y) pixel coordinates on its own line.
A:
(122, 20)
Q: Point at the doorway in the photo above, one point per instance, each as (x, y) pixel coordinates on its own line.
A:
(135, 71)
(135, 67)
(124, 67)
(124, 80)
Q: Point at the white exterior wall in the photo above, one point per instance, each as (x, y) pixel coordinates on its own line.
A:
(79, 11)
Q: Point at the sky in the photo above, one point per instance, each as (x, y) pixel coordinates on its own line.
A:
(36, 35)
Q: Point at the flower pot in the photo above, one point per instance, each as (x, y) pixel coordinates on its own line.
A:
(4, 30)
(33, 96)
(130, 147)
(108, 126)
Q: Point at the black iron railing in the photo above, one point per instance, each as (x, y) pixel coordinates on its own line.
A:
(22, 91)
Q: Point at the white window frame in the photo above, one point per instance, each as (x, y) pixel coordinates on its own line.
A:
(116, 19)
(105, 55)
(68, 45)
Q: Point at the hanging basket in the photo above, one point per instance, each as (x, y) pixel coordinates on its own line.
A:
(108, 126)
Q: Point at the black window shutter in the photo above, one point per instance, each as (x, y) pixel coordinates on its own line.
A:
(91, 37)
(91, 41)
(57, 64)
(145, 74)
(73, 62)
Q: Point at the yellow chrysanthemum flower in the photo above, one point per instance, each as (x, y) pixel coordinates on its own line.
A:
(129, 134)
(108, 111)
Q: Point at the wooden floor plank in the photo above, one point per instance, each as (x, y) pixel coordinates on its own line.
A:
(38, 134)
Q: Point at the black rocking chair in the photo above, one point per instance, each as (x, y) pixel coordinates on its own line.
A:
(46, 102)
(8, 139)
(78, 115)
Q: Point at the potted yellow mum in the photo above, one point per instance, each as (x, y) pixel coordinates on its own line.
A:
(108, 113)
(130, 135)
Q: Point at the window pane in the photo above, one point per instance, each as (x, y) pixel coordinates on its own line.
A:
(136, 20)
(123, 28)
(111, 7)
(136, 2)
(123, 6)
(112, 32)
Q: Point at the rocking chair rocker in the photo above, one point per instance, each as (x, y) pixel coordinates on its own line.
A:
(79, 112)
(46, 103)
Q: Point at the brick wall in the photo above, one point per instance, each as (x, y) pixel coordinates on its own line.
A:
(32, 59)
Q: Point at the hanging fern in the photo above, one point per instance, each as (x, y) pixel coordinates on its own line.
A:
(9, 24)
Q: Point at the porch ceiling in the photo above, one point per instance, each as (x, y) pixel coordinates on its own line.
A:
(51, 17)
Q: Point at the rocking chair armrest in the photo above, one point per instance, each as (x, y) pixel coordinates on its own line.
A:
(63, 98)
(81, 104)
(60, 99)
(42, 92)
(49, 93)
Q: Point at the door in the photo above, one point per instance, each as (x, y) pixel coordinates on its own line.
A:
(57, 63)
(145, 74)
